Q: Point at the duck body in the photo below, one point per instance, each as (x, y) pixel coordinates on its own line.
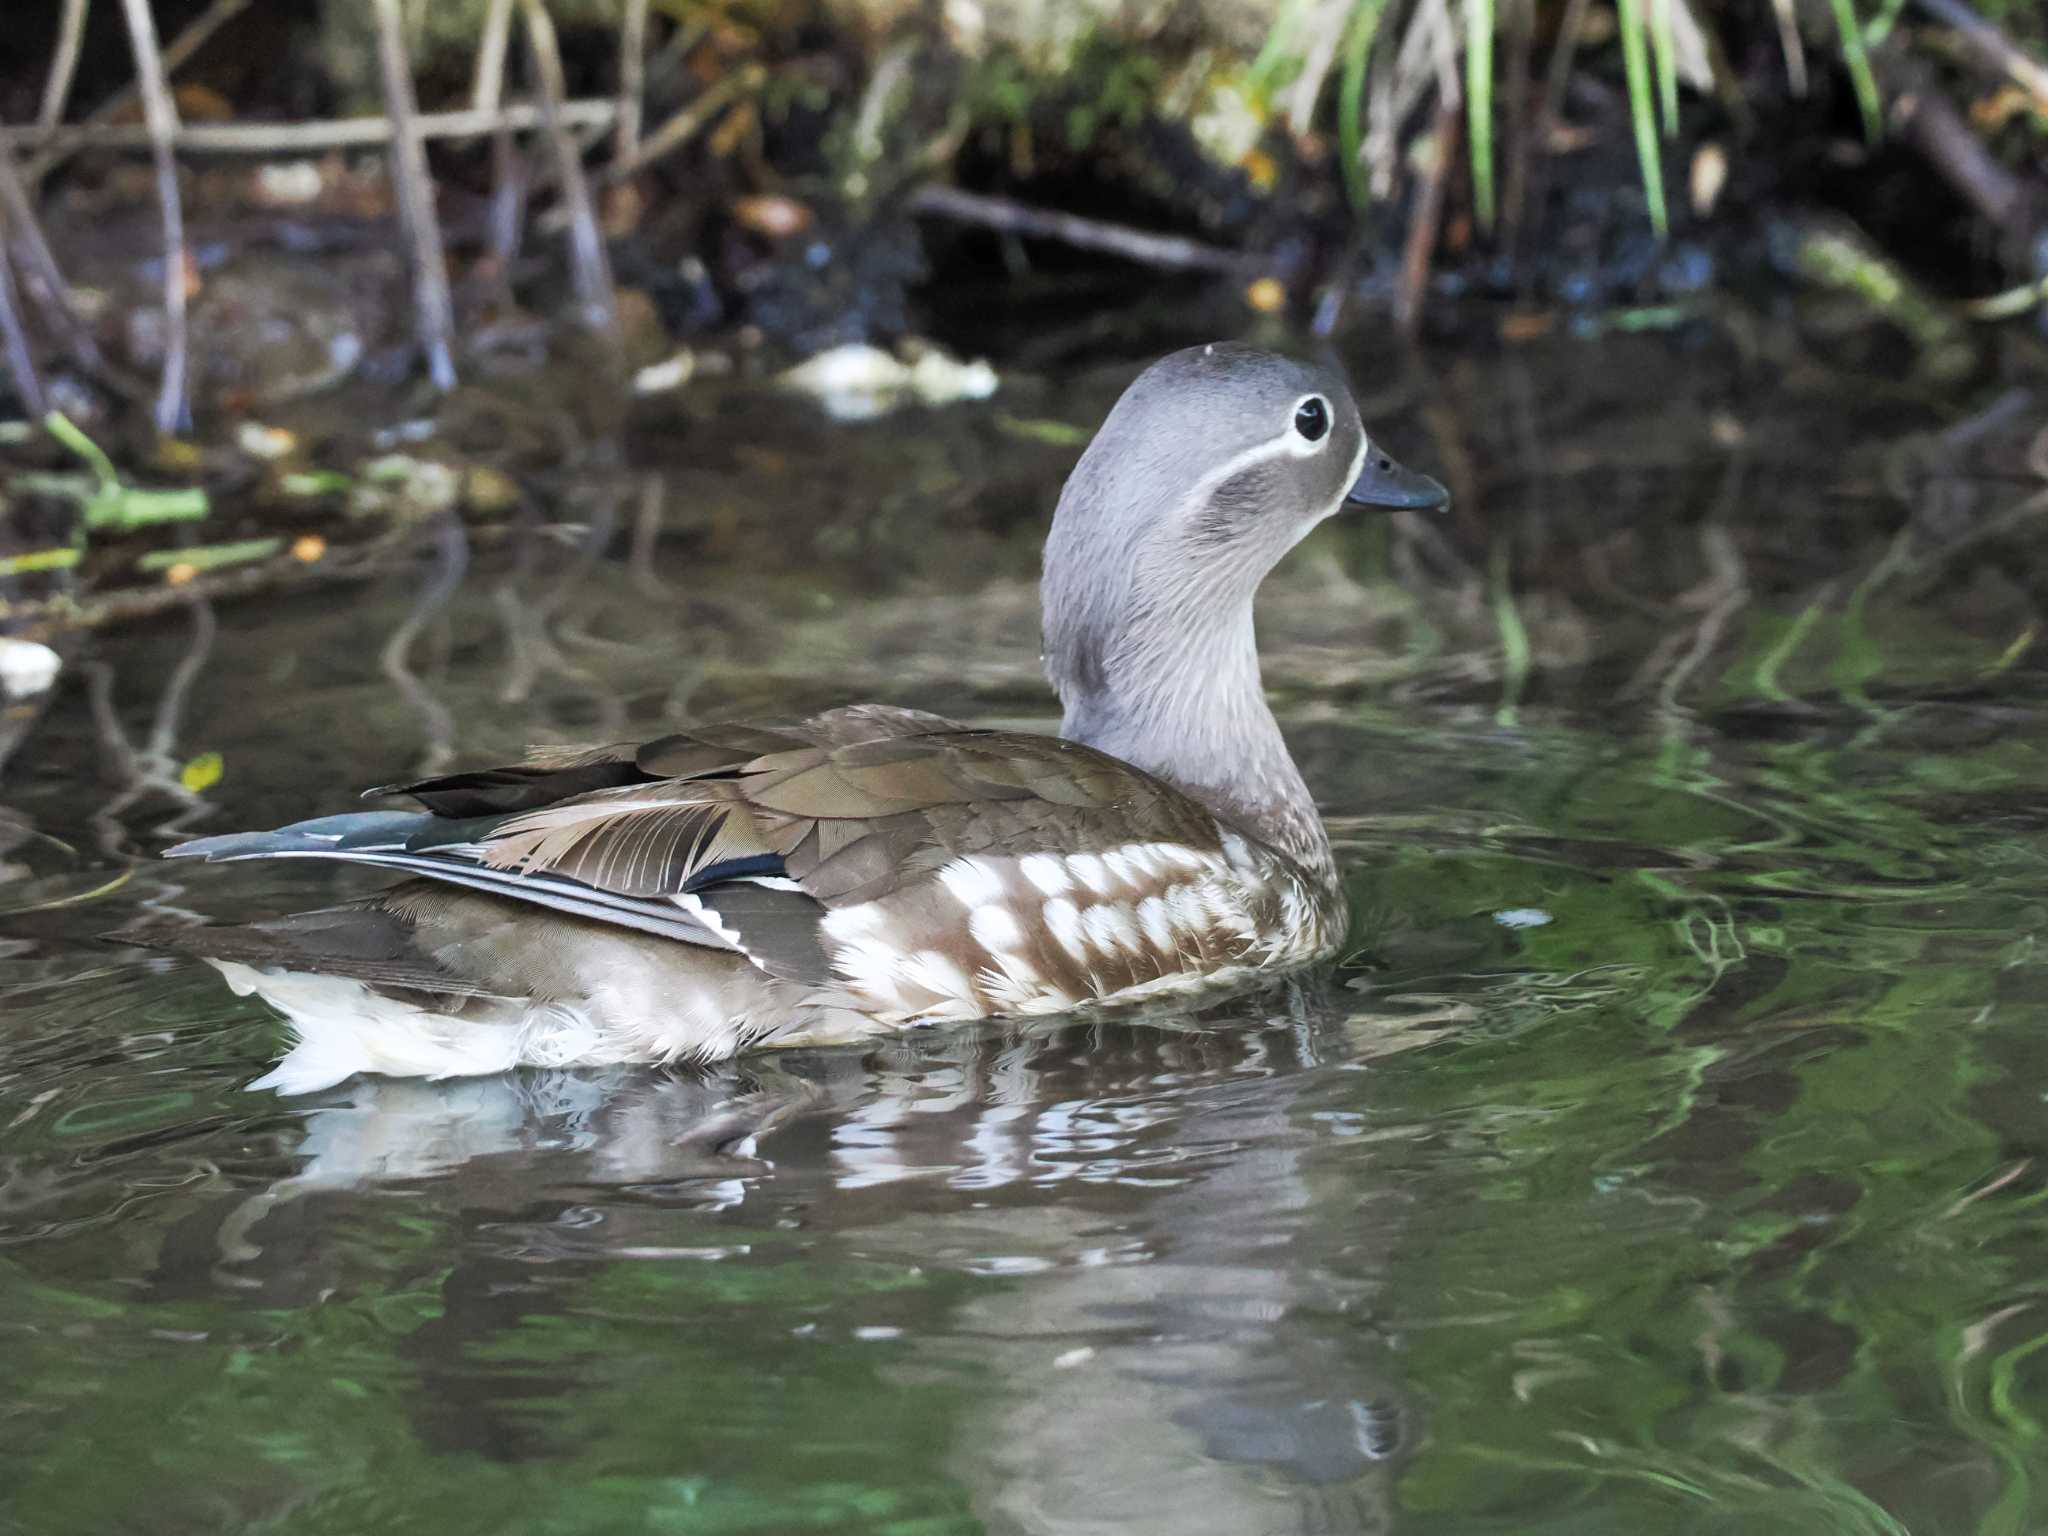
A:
(870, 869)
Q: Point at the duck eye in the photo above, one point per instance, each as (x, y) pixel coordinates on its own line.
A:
(1312, 418)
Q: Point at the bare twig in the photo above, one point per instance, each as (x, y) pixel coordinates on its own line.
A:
(1997, 51)
(632, 80)
(433, 313)
(508, 209)
(160, 115)
(1139, 245)
(1558, 73)
(1426, 222)
(21, 362)
(1791, 45)
(171, 59)
(306, 138)
(588, 261)
(489, 84)
(63, 63)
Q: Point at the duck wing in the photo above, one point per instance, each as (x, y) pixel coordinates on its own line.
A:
(750, 837)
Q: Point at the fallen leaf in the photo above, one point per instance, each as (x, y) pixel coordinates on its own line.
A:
(1267, 296)
(202, 773)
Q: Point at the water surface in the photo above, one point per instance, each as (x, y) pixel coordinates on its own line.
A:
(1667, 1154)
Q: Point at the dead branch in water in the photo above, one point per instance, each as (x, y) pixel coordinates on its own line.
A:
(160, 115)
(1142, 246)
(307, 138)
(433, 312)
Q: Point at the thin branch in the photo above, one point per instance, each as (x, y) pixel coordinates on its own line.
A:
(1558, 73)
(63, 63)
(587, 257)
(21, 362)
(1791, 45)
(160, 115)
(433, 312)
(302, 138)
(1142, 246)
(632, 80)
(1425, 223)
(508, 210)
(489, 84)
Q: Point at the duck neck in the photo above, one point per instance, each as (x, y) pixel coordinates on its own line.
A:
(1188, 706)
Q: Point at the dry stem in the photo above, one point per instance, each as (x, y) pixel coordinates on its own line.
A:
(63, 63)
(588, 259)
(160, 115)
(1142, 246)
(433, 312)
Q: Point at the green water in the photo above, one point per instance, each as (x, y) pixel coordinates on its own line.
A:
(1666, 1156)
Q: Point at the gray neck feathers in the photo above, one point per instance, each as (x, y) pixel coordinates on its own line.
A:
(1149, 643)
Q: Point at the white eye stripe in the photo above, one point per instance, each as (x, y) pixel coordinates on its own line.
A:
(1289, 444)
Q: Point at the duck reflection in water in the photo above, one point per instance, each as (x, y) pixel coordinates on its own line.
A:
(1167, 1339)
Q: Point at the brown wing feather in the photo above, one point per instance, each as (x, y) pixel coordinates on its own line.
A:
(858, 805)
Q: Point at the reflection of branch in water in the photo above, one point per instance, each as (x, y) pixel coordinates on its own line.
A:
(154, 769)
(529, 634)
(451, 550)
(1680, 654)
(647, 536)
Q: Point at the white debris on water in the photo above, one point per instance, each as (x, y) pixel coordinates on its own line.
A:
(671, 372)
(27, 668)
(858, 382)
(1523, 917)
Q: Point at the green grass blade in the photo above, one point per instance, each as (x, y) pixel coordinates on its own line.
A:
(1263, 78)
(1664, 35)
(1358, 40)
(1858, 59)
(1514, 635)
(1479, 104)
(66, 431)
(1635, 61)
